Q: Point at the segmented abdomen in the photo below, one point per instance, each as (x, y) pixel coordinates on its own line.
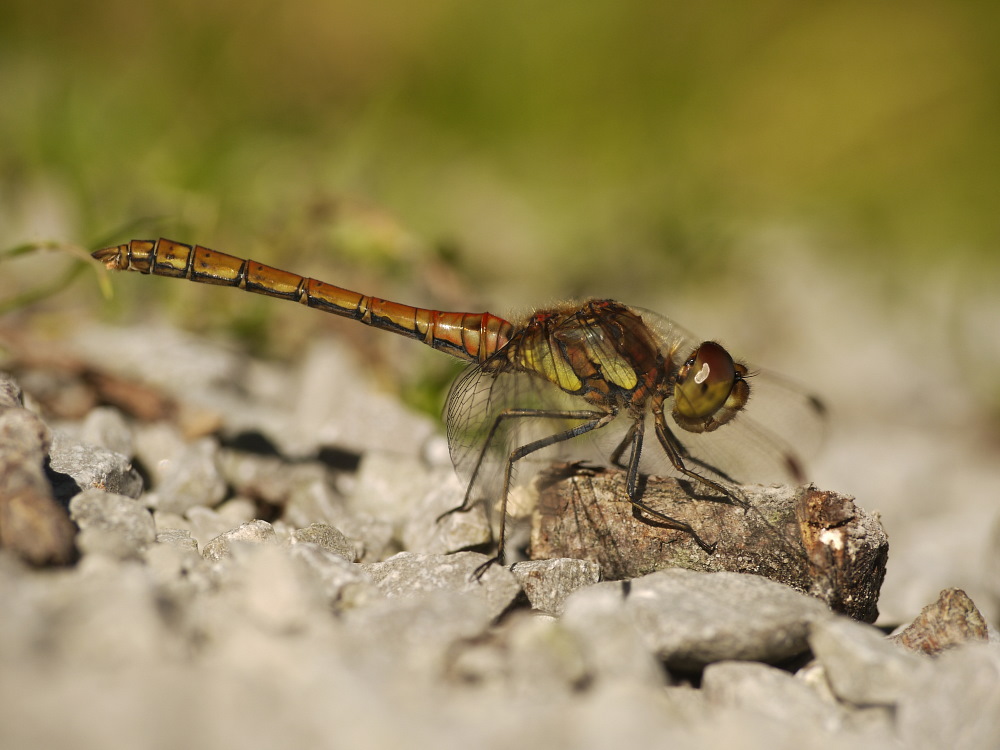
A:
(469, 336)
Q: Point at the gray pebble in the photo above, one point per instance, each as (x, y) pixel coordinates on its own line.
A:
(106, 428)
(173, 521)
(157, 445)
(77, 467)
(614, 649)
(177, 538)
(102, 615)
(547, 583)
(207, 523)
(426, 529)
(342, 583)
(112, 524)
(390, 485)
(408, 574)
(174, 361)
(269, 478)
(317, 501)
(262, 584)
(180, 574)
(955, 703)
(329, 538)
(528, 654)
(22, 431)
(250, 533)
(862, 666)
(414, 636)
(338, 404)
(691, 619)
(770, 692)
(190, 478)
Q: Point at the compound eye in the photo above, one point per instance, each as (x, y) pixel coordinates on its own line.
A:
(709, 389)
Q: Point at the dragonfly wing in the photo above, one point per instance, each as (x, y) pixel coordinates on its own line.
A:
(480, 441)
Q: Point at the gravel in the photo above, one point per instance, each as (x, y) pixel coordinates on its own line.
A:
(548, 583)
(113, 524)
(77, 466)
(690, 620)
(273, 597)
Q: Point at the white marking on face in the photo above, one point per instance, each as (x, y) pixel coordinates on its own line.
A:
(703, 374)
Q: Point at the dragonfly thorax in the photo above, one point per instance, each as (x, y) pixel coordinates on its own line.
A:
(601, 351)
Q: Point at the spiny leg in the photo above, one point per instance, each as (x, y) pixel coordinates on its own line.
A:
(634, 439)
(616, 455)
(596, 420)
(677, 453)
(467, 503)
(634, 436)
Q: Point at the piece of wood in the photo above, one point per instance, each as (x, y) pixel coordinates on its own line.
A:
(817, 542)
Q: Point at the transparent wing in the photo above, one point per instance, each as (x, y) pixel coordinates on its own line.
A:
(769, 441)
(480, 445)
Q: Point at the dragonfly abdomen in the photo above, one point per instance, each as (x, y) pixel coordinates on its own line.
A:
(468, 336)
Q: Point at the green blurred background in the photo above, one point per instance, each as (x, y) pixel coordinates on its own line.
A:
(499, 156)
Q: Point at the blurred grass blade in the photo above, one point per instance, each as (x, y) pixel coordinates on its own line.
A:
(57, 285)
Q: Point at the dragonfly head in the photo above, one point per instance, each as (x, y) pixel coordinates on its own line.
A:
(710, 389)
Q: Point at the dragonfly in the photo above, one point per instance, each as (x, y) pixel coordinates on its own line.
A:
(566, 371)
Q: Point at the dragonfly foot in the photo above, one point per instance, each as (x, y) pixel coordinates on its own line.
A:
(479, 572)
(740, 502)
(708, 548)
(463, 508)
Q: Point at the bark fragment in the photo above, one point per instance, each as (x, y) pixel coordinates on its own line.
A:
(817, 542)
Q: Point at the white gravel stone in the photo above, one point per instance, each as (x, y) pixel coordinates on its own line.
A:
(955, 703)
(692, 619)
(179, 538)
(407, 574)
(107, 428)
(87, 466)
(329, 538)
(613, 647)
(547, 583)
(413, 637)
(343, 583)
(110, 523)
(190, 478)
(770, 692)
(339, 405)
(426, 529)
(861, 665)
(249, 533)
(207, 523)
(318, 502)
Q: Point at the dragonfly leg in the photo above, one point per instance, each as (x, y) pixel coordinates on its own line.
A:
(594, 420)
(673, 522)
(467, 502)
(633, 439)
(616, 455)
(677, 454)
